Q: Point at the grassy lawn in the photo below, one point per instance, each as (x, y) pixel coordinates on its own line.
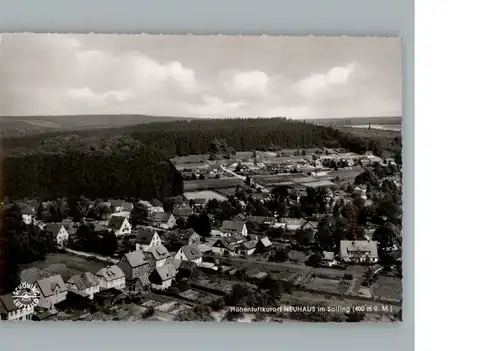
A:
(75, 264)
(388, 287)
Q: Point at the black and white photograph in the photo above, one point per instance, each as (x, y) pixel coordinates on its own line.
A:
(201, 178)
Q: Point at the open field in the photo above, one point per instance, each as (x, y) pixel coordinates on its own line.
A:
(207, 184)
(70, 264)
(204, 194)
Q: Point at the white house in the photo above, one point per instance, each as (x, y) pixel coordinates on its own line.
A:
(223, 246)
(147, 238)
(164, 220)
(190, 253)
(359, 251)
(119, 225)
(59, 233)
(87, 283)
(161, 278)
(234, 227)
(247, 248)
(9, 311)
(111, 277)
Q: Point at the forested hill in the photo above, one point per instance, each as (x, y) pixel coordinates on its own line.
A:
(134, 161)
(198, 136)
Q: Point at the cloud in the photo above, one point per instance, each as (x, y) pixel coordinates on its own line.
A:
(249, 82)
(214, 106)
(211, 76)
(320, 83)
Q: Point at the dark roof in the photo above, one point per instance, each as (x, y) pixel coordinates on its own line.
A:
(248, 245)
(165, 272)
(136, 258)
(187, 266)
(7, 304)
(53, 228)
(145, 235)
(49, 286)
(160, 216)
(110, 273)
(158, 252)
(238, 237)
(239, 217)
(116, 203)
(232, 225)
(192, 252)
(116, 222)
(224, 243)
(84, 281)
(143, 280)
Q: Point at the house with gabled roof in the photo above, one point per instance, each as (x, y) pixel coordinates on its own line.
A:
(164, 220)
(264, 244)
(147, 237)
(183, 211)
(119, 225)
(59, 233)
(134, 265)
(116, 205)
(328, 258)
(161, 278)
(234, 227)
(9, 311)
(157, 255)
(292, 224)
(86, 283)
(238, 238)
(111, 277)
(223, 246)
(358, 251)
(190, 253)
(239, 217)
(189, 237)
(247, 248)
(140, 284)
(52, 289)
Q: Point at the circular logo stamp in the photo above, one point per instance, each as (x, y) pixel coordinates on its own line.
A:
(26, 295)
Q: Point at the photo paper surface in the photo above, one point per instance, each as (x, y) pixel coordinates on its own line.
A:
(201, 178)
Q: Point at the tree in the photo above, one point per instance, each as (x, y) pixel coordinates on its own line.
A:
(168, 204)
(314, 260)
(304, 237)
(139, 214)
(203, 225)
(156, 203)
(109, 244)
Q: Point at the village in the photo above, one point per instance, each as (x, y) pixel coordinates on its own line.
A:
(252, 229)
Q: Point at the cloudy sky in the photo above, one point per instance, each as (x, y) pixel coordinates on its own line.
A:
(230, 76)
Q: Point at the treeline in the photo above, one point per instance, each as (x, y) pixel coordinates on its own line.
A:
(143, 173)
(197, 137)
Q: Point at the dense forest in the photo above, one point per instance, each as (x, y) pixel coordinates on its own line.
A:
(133, 161)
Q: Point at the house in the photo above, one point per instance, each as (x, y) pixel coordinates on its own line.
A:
(87, 283)
(240, 217)
(189, 237)
(247, 248)
(310, 225)
(111, 277)
(238, 239)
(263, 245)
(261, 220)
(9, 311)
(164, 220)
(52, 291)
(59, 233)
(190, 253)
(358, 251)
(186, 269)
(328, 258)
(134, 264)
(161, 278)
(218, 234)
(146, 238)
(233, 227)
(120, 225)
(292, 224)
(128, 206)
(116, 205)
(224, 247)
(157, 255)
(183, 211)
(140, 284)
(198, 202)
